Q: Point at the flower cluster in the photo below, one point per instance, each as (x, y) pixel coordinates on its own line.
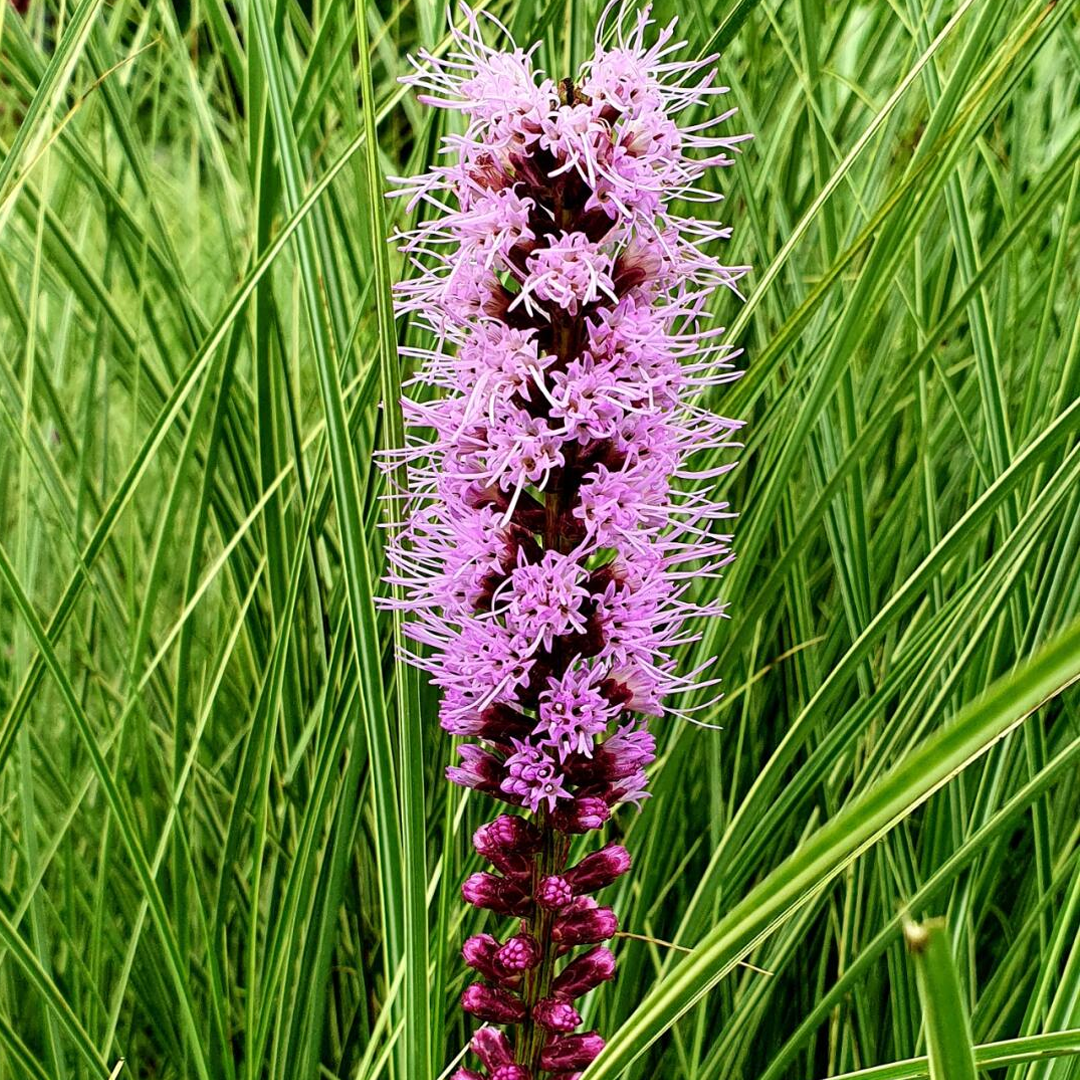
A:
(558, 515)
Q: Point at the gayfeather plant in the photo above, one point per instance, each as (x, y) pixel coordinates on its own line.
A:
(559, 516)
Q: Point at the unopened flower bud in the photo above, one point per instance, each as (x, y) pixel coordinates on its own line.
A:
(553, 1014)
(479, 952)
(512, 866)
(514, 833)
(511, 1072)
(587, 971)
(585, 813)
(507, 842)
(492, 1047)
(520, 953)
(492, 1004)
(598, 869)
(553, 893)
(496, 724)
(571, 1051)
(584, 922)
(500, 723)
(497, 894)
(467, 1074)
(479, 770)
(621, 755)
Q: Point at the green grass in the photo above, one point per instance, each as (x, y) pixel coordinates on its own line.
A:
(226, 851)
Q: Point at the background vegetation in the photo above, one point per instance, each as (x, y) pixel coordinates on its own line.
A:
(225, 848)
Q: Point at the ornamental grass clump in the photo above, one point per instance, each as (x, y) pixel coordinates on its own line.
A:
(559, 511)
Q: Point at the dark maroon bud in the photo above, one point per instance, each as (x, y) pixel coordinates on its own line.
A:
(555, 1015)
(492, 1004)
(507, 842)
(516, 834)
(467, 1074)
(618, 757)
(521, 544)
(481, 601)
(500, 723)
(598, 869)
(492, 1047)
(530, 514)
(628, 789)
(479, 952)
(520, 953)
(571, 1051)
(539, 674)
(553, 893)
(597, 769)
(483, 890)
(496, 894)
(587, 971)
(513, 866)
(616, 692)
(478, 770)
(572, 530)
(497, 304)
(476, 496)
(585, 813)
(595, 224)
(584, 922)
(488, 172)
(581, 770)
(638, 262)
(524, 167)
(592, 641)
(511, 1072)
(598, 581)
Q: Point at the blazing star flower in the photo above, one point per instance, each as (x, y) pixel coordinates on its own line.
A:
(556, 518)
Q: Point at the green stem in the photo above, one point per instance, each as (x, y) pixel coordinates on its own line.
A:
(551, 860)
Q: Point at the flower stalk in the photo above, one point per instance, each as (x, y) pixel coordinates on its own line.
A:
(559, 513)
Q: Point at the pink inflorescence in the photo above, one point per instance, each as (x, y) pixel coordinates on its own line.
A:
(556, 516)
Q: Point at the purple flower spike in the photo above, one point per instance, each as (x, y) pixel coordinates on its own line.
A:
(492, 1004)
(555, 1015)
(467, 1074)
(557, 515)
(571, 1051)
